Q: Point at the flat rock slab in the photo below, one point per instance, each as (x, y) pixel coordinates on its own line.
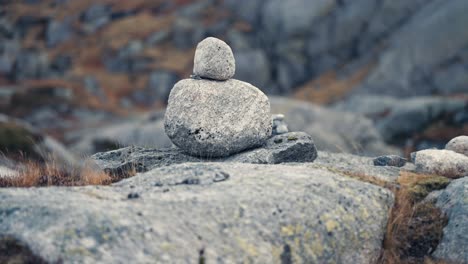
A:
(189, 213)
(453, 201)
(289, 147)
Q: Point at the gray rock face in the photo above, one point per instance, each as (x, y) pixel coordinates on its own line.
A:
(390, 160)
(401, 118)
(204, 212)
(290, 147)
(57, 32)
(459, 145)
(441, 162)
(453, 202)
(217, 119)
(214, 60)
(253, 66)
(186, 32)
(333, 131)
(288, 18)
(408, 64)
(158, 88)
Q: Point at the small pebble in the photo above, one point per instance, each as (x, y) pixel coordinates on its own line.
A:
(390, 160)
(133, 195)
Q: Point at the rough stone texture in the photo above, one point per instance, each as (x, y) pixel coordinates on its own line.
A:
(290, 147)
(453, 201)
(204, 212)
(441, 162)
(459, 145)
(390, 160)
(331, 130)
(217, 119)
(214, 60)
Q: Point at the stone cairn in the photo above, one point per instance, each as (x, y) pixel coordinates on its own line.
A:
(212, 115)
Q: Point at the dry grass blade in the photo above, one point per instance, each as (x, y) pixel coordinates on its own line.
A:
(35, 174)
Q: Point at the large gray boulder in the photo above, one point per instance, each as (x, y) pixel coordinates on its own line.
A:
(415, 53)
(453, 202)
(289, 147)
(217, 119)
(443, 162)
(203, 213)
(214, 60)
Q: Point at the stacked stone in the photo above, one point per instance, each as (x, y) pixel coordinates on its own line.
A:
(279, 126)
(212, 115)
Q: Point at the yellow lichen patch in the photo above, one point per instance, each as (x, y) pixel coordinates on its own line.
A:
(331, 225)
(78, 251)
(247, 247)
(166, 246)
(287, 230)
(291, 230)
(317, 247)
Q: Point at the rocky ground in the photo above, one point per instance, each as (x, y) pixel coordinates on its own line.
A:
(336, 209)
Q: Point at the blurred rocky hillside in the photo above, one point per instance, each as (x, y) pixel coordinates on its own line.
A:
(66, 65)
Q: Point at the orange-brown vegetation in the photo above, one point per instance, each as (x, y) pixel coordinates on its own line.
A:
(35, 174)
(329, 87)
(415, 226)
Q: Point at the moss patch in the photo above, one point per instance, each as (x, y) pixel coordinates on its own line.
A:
(422, 188)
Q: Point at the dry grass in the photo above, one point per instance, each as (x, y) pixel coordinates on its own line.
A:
(329, 87)
(35, 174)
(415, 227)
(369, 179)
(140, 26)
